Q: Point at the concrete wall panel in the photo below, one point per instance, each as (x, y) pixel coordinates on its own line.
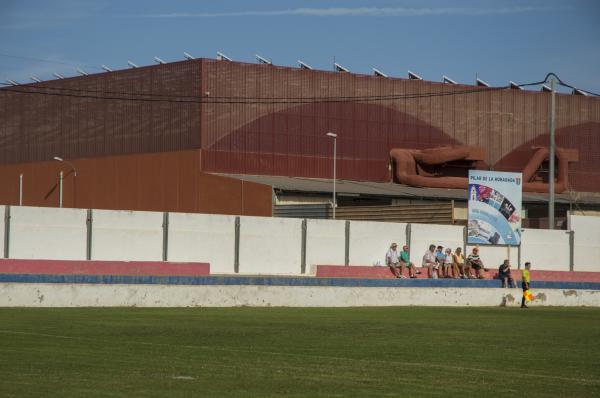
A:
(587, 242)
(546, 249)
(325, 242)
(423, 235)
(127, 235)
(270, 245)
(101, 295)
(493, 256)
(370, 241)
(47, 233)
(203, 237)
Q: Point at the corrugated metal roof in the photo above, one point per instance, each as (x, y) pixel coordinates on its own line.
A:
(322, 185)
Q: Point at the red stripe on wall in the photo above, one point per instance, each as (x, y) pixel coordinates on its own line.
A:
(341, 271)
(67, 267)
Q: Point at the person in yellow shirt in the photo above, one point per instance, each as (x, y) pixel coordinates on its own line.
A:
(459, 263)
(525, 279)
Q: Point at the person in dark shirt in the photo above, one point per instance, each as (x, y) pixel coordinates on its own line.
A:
(505, 276)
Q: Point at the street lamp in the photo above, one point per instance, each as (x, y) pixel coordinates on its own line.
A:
(60, 181)
(334, 136)
(551, 156)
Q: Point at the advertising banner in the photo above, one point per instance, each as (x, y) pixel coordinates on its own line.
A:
(494, 208)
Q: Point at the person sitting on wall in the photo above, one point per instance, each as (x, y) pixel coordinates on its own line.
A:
(450, 270)
(393, 261)
(458, 263)
(405, 262)
(504, 274)
(440, 259)
(474, 261)
(429, 262)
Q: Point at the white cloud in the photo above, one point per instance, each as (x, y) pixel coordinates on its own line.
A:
(353, 12)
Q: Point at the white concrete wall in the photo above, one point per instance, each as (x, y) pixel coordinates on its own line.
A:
(546, 249)
(587, 242)
(127, 235)
(270, 245)
(92, 295)
(203, 238)
(423, 235)
(370, 241)
(47, 233)
(493, 256)
(325, 243)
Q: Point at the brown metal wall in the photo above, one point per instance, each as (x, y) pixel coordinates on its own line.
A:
(166, 181)
(35, 127)
(289, 139)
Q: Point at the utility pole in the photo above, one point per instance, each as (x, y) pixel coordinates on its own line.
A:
(551, 155)
(334, 137)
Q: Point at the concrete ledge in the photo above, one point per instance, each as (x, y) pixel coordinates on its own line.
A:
(382, 272)
(93, 267)
(101, 295)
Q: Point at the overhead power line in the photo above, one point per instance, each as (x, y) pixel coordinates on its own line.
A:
(68, 90)
(179, 96)
(41, 89)
(247, 100)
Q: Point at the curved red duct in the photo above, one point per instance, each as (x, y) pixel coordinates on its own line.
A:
(409, 171)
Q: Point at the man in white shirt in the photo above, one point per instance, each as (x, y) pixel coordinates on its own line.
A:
(429, 261)
(393, 260)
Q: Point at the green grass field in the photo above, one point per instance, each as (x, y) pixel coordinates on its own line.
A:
(260, 352)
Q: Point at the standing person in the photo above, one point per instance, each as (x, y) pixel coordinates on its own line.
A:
(525, 279)
(393, 261)
(504, 274)
(405, 262)
(458, 261)
(473, 261)
(440, 259)
(429, 261)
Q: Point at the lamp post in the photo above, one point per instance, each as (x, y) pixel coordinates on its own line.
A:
(551, 153)
(21, 189)
(334, 136)
(60, 181)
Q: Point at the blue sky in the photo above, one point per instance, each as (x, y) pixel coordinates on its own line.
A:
(497, 40)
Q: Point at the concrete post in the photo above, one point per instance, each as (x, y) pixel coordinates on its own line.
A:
(347, 251)
(571, 250)
(165, 231)
(6, 231)
(408, 237)
(236, 249)
(303, 248)
(465, 239)
(89, 224)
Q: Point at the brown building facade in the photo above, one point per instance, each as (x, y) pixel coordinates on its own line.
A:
(164, 181)
(145, 138)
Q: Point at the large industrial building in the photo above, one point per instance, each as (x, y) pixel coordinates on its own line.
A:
(217, 136)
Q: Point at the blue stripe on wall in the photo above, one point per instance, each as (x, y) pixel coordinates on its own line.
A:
(280, 281)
